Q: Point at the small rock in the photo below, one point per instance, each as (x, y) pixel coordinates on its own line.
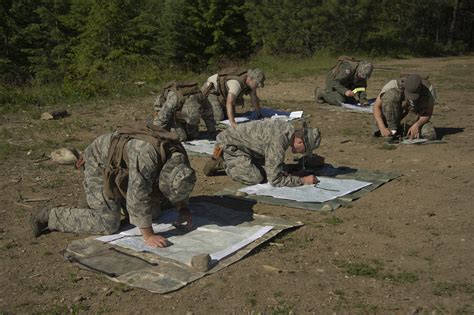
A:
(78, 299)
(65, 156)
(240, 193)
(55, 114)
(201, 262)
(389, 161)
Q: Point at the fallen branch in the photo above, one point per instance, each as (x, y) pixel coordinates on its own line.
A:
(23, 205)
(37, 199)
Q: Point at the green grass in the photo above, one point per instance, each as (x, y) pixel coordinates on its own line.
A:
(403, 277)
(449, 289)
(334, 220)
(375, 270)
(358, 268)
(387, 146)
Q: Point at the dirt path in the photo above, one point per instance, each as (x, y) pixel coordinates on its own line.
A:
(406, 247)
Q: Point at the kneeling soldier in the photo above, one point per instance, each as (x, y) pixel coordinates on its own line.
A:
(404, 107)
(134, 168)
(180, 107)
(346, 81)
(254, 152)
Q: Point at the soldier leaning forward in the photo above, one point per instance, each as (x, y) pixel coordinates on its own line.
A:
(225, 89)
(179, 108)
(135, 169)
(404, 107)
(254, 152)
(346, 82)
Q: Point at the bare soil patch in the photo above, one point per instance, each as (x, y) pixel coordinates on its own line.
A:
(406, 247)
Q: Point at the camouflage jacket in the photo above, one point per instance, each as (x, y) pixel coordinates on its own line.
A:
(343, 78)
(393, 92)
(268, 140)
(144, 168)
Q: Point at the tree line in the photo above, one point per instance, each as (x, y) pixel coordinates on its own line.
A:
(74, 42)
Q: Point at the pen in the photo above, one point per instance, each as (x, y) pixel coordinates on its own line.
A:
(328, 189)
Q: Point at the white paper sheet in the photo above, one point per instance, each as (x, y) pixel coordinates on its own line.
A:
(237, 120)
(414, 141)
(327, 189)
(208, 238)
(358, 108)
(200, 146)
(267, 113)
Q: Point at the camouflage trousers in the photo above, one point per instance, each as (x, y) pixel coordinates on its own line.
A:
(333, 97)
(395, 119)
(184, 131)
(243, 167)
(100, 215)
(217, 109)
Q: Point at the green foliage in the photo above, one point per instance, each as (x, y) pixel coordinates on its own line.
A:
(56, 50)
(358, 269)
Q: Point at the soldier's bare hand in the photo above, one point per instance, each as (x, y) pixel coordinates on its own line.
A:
(233, 124)
(309, 180)
(385, 132)
(156, 241)
(414, 132)
(349, 93)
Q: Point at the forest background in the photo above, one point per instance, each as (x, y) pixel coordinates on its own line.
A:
(73, 50)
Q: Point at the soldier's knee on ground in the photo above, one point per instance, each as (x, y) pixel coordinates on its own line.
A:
(250, 178)
(428, 132)
(333, 98)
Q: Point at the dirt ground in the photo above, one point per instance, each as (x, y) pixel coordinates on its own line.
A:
(406, 247)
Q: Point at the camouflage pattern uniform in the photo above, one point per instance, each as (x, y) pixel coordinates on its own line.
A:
(255, 151)
(345, 77)
(143, 197)
(184, 121)
(399, 115)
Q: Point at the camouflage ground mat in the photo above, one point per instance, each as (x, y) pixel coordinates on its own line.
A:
(376, 178)
(160, 274)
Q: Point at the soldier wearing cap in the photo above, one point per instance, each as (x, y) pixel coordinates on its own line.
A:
(125, 172)
(225, 89)
(404, 107)
(346, 82)
(180, 107)
(254, 152)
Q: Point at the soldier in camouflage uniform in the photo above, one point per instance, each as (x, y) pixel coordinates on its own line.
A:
(404, 107)
(179, 108)
(149, 181)
(225, 90)
(346, 82)
(255, 151)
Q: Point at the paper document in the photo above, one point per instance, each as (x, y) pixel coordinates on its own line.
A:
(208, 237)
(327, 189)
(200, 146)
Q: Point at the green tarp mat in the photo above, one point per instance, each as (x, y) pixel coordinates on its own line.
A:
(162, 275)
(377, 178)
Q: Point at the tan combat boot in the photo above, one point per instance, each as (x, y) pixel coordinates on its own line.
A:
(215, 163)
(39, 221)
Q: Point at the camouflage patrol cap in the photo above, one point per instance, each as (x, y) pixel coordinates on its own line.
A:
(191, 108)
(177, 178)
(364, 69)
(413, 86)
(258, 76)
(311, 139)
